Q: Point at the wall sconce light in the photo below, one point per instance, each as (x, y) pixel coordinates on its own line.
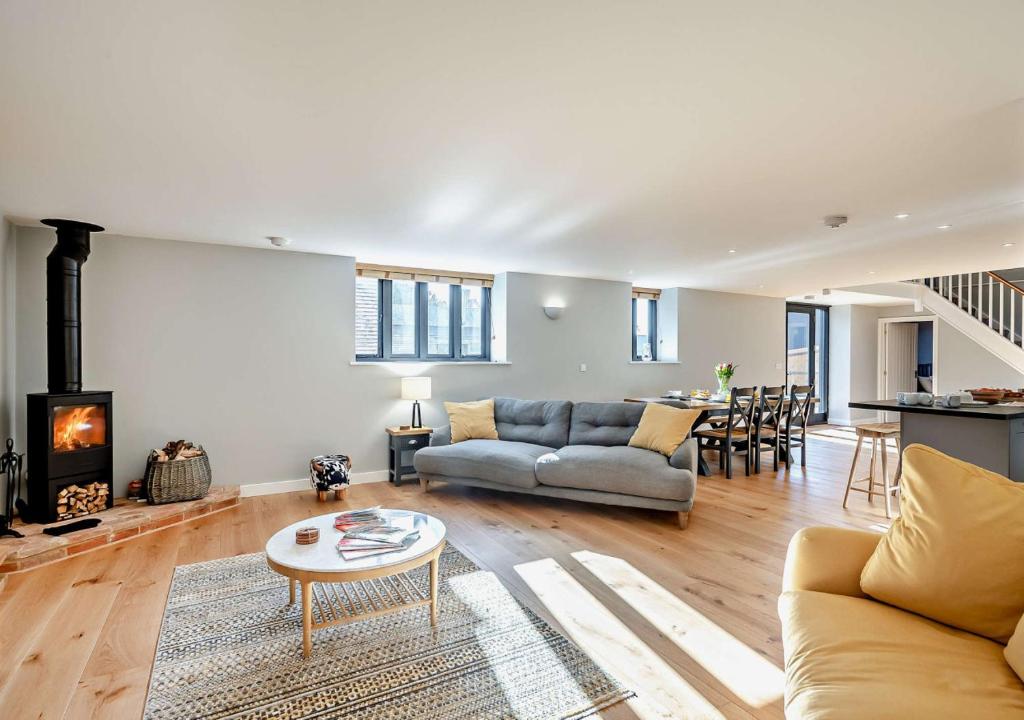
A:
(553, 311)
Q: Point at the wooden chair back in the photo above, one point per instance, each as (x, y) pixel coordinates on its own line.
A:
(771, 406)
(801, 400)
(742, 406)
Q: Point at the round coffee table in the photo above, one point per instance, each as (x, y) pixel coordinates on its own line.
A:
(347, 590)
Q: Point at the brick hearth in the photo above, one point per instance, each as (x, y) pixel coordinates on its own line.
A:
(125, 520)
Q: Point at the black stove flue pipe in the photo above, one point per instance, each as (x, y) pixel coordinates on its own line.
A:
(64, 304)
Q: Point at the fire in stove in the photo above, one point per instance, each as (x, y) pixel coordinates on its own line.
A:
(76, 427)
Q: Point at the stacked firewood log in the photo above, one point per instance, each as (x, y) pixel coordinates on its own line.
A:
(177, 450)
(75, 500)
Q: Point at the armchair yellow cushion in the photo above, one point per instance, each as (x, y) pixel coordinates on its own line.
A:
(956, 553)
(663, 428)
(472, 420)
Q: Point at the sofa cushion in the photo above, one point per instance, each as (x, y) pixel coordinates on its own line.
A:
(663, 429)
(854, 658)
(1014, 651)
(472, 420)
(608, 424)
(624, 470)
(956, 553)
(500, 461)
(540, 422)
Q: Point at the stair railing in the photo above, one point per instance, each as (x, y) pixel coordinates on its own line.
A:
(985, 296)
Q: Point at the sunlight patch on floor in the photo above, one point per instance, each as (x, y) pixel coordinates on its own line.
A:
(747, 674)
(476, 591)
(661, 692)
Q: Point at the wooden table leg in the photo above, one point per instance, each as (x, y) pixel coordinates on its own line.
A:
(307, 619)
(291, 591)
(434, 564)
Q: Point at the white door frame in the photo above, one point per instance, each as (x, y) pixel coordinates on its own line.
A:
(882, 322)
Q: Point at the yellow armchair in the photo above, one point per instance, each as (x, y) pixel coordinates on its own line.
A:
(849, 657)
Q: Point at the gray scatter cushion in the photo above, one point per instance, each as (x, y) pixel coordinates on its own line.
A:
(441, 436)
(499, 461)
(540, 422)
(611, 423)
(625, 470)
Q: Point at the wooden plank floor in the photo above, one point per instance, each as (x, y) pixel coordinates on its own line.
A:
(687, 618)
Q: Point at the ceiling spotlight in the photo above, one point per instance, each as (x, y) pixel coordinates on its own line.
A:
(871, 272)
(835, 221)
(944, 227)
(278, 241)
(1008, 244)
(826, 291)
(902, 216)
(732, 251)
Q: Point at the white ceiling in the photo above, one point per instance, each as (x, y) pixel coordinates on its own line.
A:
(634, 141)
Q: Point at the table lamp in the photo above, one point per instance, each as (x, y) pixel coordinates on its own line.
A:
(416, 389)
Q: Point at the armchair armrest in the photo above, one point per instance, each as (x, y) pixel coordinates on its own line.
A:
(441, 436)
(828, 559)
(685, 456)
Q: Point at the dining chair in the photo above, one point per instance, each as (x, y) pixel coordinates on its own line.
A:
(796, 418)
(735, 433)
(768, 421)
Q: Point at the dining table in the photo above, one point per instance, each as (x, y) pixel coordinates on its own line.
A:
(709, 409)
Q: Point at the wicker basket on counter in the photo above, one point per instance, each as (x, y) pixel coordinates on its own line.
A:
(177, 480)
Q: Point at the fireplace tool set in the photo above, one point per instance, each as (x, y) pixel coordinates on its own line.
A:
(10, 468)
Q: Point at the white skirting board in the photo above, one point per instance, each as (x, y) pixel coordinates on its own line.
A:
(283, 486)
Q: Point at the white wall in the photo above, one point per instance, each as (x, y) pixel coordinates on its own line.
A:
(249, 351)
(853, 363)
(719, 327)
(961, 363)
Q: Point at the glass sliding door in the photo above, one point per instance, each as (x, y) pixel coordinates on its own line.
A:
(807, 353)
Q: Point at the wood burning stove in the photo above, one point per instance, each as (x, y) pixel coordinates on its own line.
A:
(70, 431)
(70, 445)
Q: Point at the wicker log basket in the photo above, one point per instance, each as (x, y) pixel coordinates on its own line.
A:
(177, 480)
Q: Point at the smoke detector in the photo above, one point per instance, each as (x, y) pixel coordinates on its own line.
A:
(279, 241)
(835, 221)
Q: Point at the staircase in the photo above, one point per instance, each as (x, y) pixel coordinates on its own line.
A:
(984, 306)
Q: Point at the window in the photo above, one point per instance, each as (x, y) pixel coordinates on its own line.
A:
(645, 328)
(807, 352)
(424, 320)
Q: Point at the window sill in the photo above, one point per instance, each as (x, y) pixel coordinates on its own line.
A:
(427, 362)
(654, 362)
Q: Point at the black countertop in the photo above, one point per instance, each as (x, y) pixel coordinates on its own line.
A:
(986, 412)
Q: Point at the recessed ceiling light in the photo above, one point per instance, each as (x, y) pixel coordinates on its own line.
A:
(1008, 244)
(279, 241)
(732, 251)
(902, 216)
(944, 227)
(871, 272)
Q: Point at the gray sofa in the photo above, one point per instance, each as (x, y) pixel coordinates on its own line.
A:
(566, 450)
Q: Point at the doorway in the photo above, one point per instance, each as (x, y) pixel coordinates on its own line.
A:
(807, 353)
(907, 357)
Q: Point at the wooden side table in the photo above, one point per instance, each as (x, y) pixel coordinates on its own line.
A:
(401, 441)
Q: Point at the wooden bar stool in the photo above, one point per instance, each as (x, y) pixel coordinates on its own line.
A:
(878, 433)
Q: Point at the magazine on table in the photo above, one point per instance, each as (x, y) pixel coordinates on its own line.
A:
(356, 548)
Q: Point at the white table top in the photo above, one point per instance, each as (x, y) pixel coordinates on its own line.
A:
(323, 556)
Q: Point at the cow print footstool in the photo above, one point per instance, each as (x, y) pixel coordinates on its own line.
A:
(329, 472)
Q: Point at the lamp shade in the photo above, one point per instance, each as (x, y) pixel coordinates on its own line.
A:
(416, 388)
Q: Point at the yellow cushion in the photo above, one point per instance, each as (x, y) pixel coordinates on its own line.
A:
(854, 658)
(956, 553)
(663, 428)
(472, 420)
(1014, 651)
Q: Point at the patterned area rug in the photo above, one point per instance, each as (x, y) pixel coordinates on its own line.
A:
(231, 647)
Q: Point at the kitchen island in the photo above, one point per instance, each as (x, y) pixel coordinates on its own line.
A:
(991, 436)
